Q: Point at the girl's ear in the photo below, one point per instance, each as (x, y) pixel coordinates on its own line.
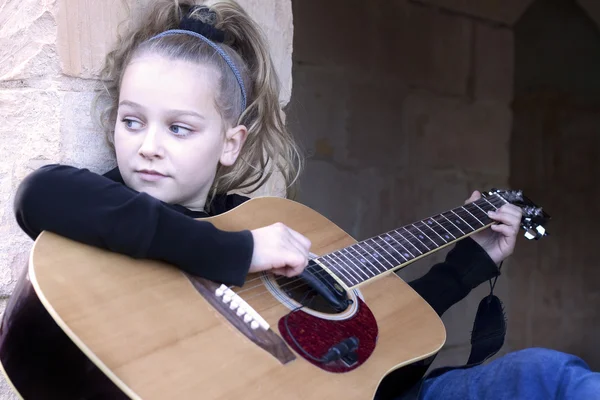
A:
(234, 141)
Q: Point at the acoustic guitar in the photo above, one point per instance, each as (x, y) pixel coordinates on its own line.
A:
(86, 323)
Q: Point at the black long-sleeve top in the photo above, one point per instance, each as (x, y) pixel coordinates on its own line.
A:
(100, 210)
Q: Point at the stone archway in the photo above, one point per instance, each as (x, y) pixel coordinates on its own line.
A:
(555, 148)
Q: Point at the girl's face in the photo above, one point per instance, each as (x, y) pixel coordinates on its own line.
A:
(169, 136)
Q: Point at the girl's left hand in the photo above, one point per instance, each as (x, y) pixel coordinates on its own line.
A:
(499, 239)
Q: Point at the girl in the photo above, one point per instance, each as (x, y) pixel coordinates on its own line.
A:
(194, 114)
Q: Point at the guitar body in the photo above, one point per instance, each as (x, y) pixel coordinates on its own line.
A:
(88, 323)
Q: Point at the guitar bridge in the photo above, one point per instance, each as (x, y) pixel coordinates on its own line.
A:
(243, 317)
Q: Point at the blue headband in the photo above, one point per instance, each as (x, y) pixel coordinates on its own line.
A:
(219, 50)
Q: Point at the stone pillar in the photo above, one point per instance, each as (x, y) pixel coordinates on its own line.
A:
(51, 53)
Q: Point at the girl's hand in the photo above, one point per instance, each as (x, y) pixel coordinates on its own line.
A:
(499, 239)
(279, 249)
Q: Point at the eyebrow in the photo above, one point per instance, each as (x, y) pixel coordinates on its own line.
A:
(171, 112)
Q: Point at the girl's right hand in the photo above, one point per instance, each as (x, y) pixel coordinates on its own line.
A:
(279, 249)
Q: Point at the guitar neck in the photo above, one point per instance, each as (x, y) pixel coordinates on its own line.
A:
(365, 260)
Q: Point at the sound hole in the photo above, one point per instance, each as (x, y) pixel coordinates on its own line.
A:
(302, 293)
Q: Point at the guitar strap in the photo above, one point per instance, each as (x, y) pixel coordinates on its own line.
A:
(489, 330)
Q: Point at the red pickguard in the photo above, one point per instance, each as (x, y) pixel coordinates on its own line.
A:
(317, 335)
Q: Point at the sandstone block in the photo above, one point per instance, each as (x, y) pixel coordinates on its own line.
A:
(318, 111)
(27, 37)
(87, 31)
(494, 63)
(453, 134)
(434, 51)
(336, 33)
(375, 136)
(504, 11)
(349, 198)
(83, 143)
(29, 125)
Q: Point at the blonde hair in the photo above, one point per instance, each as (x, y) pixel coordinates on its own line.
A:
(269, 146)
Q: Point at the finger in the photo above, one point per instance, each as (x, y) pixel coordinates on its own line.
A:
(296, 250)
(290, 271)
(296, 259)
(505, 230)
(505, 218)
(303, 240)
(511, 209)
(474, 196)
(284, 271)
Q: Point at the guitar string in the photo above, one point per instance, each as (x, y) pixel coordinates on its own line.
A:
(325, 272)
(303, 283)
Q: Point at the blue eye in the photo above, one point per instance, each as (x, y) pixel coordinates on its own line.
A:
(179, 130)
(131, 123)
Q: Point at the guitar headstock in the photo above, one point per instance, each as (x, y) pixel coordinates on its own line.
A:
(534, 217)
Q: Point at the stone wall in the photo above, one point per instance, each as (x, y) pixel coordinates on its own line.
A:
(405, 107)
(51, 52)
(555, 149)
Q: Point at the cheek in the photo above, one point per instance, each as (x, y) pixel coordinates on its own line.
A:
(201, 158)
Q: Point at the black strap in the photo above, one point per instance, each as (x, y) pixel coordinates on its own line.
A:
(489, 327)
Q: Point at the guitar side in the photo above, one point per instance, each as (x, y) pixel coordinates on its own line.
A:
(149, 330)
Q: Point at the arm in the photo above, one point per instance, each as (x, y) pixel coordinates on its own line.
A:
(92, 209)
(472, 261)
(466, 266)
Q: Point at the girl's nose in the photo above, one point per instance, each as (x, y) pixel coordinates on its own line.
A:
(151, 146)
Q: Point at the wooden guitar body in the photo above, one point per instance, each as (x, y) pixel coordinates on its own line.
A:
(88, 323)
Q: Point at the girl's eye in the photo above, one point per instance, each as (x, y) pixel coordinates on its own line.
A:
(132, 124)
(179, 130)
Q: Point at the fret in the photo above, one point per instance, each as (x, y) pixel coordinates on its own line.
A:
(452, 232)
(393, 261)
(350, 266)
(422, 236)
(377, 255)
(370, 254)
(414, 240)
(397, 239)
(463, 223)
(356, 264)
(468, 218)
(356, 275)
(392, 247)
(371, 257)
(405, 243)
(347, 279)
(438, 229)
(355, 252)
(478, 213)
(485, 205)
(496, 200)
(431, 234)
(457, 223)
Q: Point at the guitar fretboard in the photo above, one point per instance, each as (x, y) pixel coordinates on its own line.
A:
(369, 258)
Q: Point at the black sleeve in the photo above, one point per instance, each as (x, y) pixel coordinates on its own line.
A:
(92, 209)
(466, 266)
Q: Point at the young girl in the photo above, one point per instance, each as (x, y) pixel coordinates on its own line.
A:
(193, 115)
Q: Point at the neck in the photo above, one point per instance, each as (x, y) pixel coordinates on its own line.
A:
(370, 258)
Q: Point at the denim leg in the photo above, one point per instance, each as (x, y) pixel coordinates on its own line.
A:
(529, 374)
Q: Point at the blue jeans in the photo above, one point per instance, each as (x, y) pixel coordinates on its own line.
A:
(530, 374)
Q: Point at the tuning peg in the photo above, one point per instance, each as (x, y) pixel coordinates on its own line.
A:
(533, 211)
